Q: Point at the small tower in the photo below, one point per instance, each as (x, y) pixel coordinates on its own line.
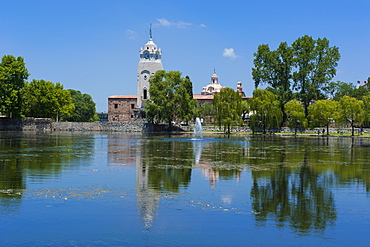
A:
(239, 89)
(150, 62)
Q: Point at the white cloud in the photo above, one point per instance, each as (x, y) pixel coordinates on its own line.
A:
(131, 34)
(229, 52)
(202, 25)
(166, 23)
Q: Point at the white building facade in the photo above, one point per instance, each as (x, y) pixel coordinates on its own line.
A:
(150, 62)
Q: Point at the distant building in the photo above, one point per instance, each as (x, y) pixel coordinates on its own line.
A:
(123, 108)
(213, 87)
(150, 62)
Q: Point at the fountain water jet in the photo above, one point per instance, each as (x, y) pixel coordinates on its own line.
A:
(198, 130)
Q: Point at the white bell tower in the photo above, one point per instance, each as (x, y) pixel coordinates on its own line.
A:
(150, 62)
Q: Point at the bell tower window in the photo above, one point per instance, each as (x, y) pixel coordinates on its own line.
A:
(145, 93)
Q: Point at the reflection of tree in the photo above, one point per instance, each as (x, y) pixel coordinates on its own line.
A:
(169, 164)
(11, 182)
(301, 198)
(37, 156)
(162, 166)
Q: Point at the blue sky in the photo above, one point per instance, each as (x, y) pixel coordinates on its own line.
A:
(93, 45)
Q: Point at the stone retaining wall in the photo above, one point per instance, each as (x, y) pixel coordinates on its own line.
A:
(139, 125)
(8, 124)
(135, 126)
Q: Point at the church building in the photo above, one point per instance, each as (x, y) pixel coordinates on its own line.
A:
(124, 108)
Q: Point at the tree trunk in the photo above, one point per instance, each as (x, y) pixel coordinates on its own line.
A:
(327, 129)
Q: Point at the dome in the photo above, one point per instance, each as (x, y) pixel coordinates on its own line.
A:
(150, 46)
(213, 87)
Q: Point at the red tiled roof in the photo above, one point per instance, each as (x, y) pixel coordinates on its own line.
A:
(123, 97)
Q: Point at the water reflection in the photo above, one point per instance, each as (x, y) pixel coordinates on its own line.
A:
(34, 157)
(290, 180)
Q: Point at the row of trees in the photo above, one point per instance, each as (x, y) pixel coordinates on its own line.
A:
(298, 79)
(40, 98)
(347, 111)
(302, 70)
(171, 100)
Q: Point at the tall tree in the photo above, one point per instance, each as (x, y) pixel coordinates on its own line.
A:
(170, 98)
(266, 110)
(275, 69)
(228, 107)
(323, 112)
(13, 74)
(45, 99)
(295, 114)
(84, 111)
(352, 111)
(315, 62)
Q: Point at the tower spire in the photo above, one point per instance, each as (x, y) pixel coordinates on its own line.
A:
(150, 31)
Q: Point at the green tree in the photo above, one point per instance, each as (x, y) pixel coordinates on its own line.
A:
(337, 90)
(170, 98)
(206, 110)
(295, 114)
(266, 110)
(228, 107)
(352, 111)
(315, 62)
(366, 100)
(323, 112)
(84, 111)
(360, 92)
(245, 109)
(275, 69)
(13, 74)
(44, 99)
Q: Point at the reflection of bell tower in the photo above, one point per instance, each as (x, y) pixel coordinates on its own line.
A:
(150, 62)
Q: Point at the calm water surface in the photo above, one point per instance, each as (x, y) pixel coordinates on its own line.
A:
(94, 189)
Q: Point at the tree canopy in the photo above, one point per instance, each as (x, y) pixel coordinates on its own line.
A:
(45, 99)
(315, 62)
(295, 114)
(13, 75)
(228, 108)
(170, 98)
(352, 111)
(323, 113)
(84, 110)
(305, 67)
(275, 69)
(266, 110)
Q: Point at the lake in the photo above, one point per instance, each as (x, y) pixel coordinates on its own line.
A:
(116, 189)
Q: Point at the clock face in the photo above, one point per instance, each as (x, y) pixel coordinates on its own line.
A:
(156, 56)
(146, 55)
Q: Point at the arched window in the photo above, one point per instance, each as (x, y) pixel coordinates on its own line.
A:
(145, 93)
